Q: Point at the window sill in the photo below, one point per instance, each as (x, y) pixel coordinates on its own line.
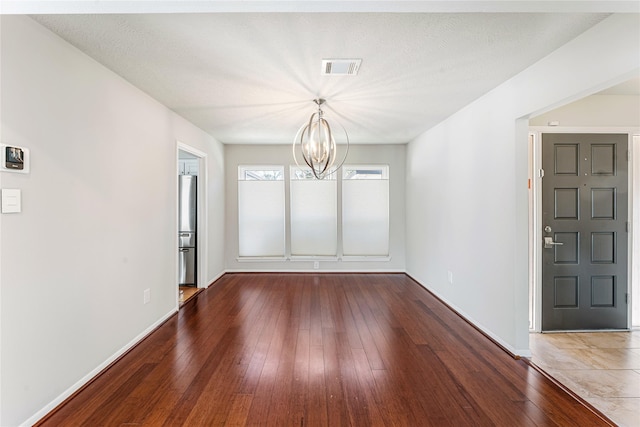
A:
(300, 258)
(366, 258)
(313, 258)
(261, 259)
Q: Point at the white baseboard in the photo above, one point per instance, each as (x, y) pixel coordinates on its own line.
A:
(68, 392)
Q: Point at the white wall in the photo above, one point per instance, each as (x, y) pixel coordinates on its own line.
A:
(595, 110)
(393, 155)
(98, 224)
(467, 201)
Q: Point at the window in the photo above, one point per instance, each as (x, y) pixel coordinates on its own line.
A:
(314, 214)
(365, 210)
(253, 173)
(261, 211)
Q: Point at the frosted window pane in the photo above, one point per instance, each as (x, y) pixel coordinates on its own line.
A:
(260, 173)
(314, 224)
(261, 218)
(365, 172)
(365, 217)
(305, 173)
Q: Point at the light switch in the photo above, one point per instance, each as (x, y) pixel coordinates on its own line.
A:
(11, 200)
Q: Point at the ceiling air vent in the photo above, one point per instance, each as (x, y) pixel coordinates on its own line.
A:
(340, 67)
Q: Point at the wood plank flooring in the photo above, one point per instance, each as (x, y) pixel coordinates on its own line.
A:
(319, 350)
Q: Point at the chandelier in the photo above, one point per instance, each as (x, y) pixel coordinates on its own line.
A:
(315, 140)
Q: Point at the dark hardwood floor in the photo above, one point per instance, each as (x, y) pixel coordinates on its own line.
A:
(319, 350)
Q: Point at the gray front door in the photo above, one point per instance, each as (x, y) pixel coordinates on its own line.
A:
(584, 221)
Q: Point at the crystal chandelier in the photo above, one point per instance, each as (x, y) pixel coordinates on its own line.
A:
(316, 142)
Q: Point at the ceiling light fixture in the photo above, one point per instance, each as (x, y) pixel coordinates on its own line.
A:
(317, 144)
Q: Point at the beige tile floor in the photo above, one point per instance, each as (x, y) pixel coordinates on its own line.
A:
(603, 368)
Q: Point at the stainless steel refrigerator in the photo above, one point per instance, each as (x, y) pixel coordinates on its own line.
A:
(187, 233)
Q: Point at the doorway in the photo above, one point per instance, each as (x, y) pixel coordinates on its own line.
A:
(191, 232)
(613, 110)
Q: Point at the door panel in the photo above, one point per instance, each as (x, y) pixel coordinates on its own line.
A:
(187, 267)
(584, 219)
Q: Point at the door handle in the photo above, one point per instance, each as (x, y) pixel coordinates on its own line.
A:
(549, 243)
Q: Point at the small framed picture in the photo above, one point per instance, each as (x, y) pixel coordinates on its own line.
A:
(14, 159)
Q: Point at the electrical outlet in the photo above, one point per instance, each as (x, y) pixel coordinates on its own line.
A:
(450, 277)
(316, 265)
(147, 296)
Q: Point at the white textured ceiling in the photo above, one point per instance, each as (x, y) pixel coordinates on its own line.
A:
(250, 77)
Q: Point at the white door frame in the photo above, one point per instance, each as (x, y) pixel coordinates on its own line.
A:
(202, 214)
(535, 249)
